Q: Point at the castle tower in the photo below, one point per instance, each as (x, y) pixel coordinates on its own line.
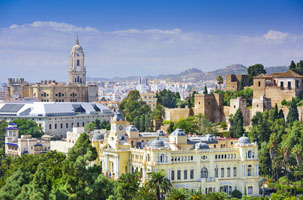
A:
(77, 70)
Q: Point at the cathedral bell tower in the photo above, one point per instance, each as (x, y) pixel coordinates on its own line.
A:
(77, 70)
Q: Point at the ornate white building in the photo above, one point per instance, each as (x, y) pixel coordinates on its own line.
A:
(209, 163)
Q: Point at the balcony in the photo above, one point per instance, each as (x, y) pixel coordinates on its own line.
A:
(210, 179)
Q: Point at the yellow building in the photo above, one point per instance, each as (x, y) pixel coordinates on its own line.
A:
(76, 90)
(212, 164)
(150, 99)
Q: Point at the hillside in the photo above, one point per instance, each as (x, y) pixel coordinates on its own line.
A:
(196, 75)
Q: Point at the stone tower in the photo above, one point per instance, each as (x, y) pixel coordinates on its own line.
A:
(77, 70)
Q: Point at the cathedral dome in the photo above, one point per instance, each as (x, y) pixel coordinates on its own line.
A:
(77, 50)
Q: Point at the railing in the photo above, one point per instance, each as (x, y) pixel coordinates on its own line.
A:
(211, 179)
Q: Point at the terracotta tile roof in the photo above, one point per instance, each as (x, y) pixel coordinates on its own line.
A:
(288, 74)
(263, 76)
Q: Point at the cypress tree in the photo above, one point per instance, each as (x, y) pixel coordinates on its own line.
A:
(299, 67)
(205, 90)
(170, 129)
(276, 112)
(236, 130)
(142, 123)
(188, 103)
(292, 66)
(281, 114)
(293, 114)
(137, 122)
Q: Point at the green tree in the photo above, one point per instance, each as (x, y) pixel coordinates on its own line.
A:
(170, 128)
(292, 66)
(237, 194)
(83, 147)
(220, 81)
(28, 127)
(205, 91)
(253, 71)
(293, 114)
(236, 129)
(137, 122)
(178, 194)
(142, 123)
(189, 125)
(168, 98)
(281, 114)
(98, 124)
(264, 157)
(297, 151)
(133, 106)
(127, 186)
(204, 126)
(158, 113)
(158, 182)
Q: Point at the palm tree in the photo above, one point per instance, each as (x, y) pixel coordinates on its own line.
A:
(178, 194)
(145, 193)
(205, 126)
(127, 185)
(297, 152)
(159, 182)
(285, 151)
(272, 147)
(219, 80)
(196, 195)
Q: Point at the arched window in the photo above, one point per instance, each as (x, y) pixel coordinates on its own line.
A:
(249, 154)
(204, 172)
(78, 62)
(259, 83)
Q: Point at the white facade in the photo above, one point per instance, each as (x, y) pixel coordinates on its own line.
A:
(56, 118)
(64, 146)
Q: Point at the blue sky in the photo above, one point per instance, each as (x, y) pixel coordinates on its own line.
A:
(140, 37)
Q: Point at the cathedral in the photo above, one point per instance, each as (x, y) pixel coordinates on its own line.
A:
(76, 90)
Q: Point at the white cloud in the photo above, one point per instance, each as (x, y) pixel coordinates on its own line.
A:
(41, 50)
(58, 26)
(275, 35)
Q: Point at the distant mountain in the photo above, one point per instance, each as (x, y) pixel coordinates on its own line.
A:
(196, 75)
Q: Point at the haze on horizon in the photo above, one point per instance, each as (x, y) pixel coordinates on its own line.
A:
(137, 38)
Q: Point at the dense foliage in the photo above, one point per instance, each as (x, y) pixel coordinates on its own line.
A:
(168, 98)
(280, 145)
(253, 71)
(246, 93)
(236, 129)
(97, 124)
(197, 124)
(298, 68)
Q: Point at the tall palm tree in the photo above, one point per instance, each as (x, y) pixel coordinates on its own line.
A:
(297, 152)
(178, 194)
(272, 147)
(285, 151)
(159, 182)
